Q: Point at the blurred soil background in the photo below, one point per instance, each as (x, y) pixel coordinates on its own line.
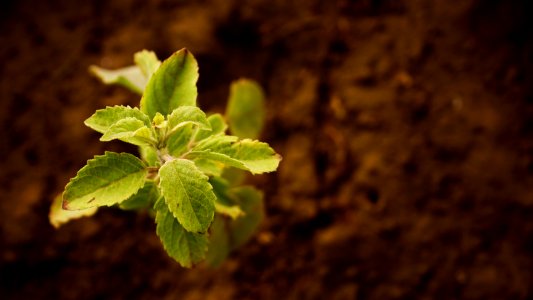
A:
(406, 130)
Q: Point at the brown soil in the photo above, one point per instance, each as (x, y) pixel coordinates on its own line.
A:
(405, 126)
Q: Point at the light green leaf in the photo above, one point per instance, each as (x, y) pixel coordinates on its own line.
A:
(158, 120)
(103, 119)
(106, 180)
(187, 248)
(254, 156)
(218, 127)
(149, 155)
(130, 77)
(246, 109)
(219, 244)
(145, 197)
(216, 143)
(184, 115)
(58, 216)
(172, 85)
(209, 167)
(257, 157)
(130, 130)
(233, 211)
(178, 142)
(251, 202)
(147, 62)
(188, 194)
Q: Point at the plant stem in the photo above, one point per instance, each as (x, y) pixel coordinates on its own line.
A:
(164, 156)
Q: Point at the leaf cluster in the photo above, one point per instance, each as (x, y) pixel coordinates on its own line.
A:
(187, 171)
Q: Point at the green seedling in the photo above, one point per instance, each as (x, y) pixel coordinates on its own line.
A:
(186, 175)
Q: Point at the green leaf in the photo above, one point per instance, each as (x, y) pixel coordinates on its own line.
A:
(149, 155)
(106, 180)
(130, 77)
(159, 120)
(216, 143)
(226, 234)
(130, 130)
(178, 142)
(172, 85)
(103, 119)
(254, 156)
(58, 216)
(257, 157)
(147, 62)
(184, 115)
(218, 127)
(219, 244)
(251, 202)
(188, 194)
(209, 167)
(232, 211)
(234, 176)
(226, 203)
(187, 248)
(145, 197)
(246, 109)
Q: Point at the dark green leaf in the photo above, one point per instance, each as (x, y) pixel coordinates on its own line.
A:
(185, 247)
(219, 245)
(145, 197)
(251, 202)
(246, 109)
(226, 203)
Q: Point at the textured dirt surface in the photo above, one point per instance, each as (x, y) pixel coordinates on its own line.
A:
(405, 127)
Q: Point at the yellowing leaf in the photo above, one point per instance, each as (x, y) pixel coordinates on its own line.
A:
(130, 77)
(58, 216)
(147, 62)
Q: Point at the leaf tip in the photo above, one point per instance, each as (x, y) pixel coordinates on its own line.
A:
(65, 204)
(93, 69)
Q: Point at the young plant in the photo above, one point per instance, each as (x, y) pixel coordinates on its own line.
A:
(186, 174)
